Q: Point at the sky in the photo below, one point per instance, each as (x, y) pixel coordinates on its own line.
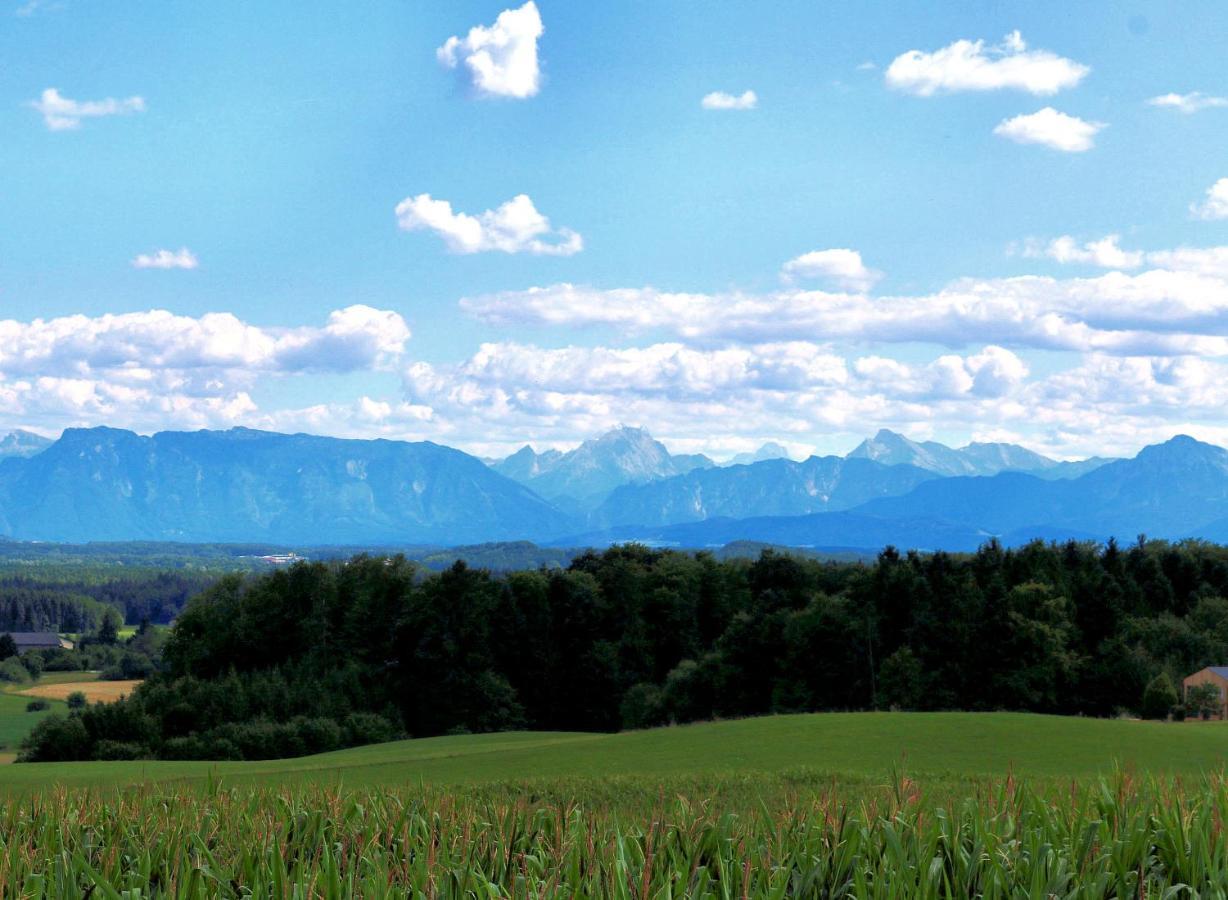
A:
(489, 225)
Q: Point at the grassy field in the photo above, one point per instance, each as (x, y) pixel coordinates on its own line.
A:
(15, 722)
(850, 747)
(858, 805)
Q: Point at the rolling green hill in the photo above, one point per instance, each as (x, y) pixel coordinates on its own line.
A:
(847, 746)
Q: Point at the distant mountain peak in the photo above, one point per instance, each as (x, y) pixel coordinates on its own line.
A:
(22, 443)
(766, 451)
(585, 475)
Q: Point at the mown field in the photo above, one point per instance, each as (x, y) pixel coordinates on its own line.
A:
(846, 746)
(857, 805)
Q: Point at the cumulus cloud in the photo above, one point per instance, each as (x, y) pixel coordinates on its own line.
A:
(156, 369)
(722, 100)
(1051, 128)
(1106, 252)
(1188, 103)
(973, 66)
(183, 258)
(135, 346)
(62, 114)
(514, 227)
(1215, 204)
(840, 266)
(1157, 312)
(499, 60)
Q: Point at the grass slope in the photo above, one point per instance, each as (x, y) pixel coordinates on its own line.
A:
(848, 746)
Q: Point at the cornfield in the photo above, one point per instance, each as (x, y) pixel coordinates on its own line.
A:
(766, 838)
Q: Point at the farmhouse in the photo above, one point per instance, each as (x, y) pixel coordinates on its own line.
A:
(38, 640)
(1216, 675)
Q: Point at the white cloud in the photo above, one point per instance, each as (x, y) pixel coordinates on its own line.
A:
(515, 227)
(1051, 128)
(973, 66)
(1157, 312)
(840, 266)
(1106, 253)
(499, 60)
(183, 258)
(722, 100)
(62, 114)
(1215, 204)
(1188, 103)
(137, 345)
(156, 369)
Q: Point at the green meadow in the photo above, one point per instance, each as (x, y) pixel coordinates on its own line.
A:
(852, 747)
(829, 805)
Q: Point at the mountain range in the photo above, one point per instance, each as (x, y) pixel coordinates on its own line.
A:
(582, 478)
(241, 485)
(101, 484)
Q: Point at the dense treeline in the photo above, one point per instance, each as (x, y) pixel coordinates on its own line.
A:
(75, 601)
(322, 655)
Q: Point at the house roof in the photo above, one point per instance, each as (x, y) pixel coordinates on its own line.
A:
(1221, 671)
(39, 638)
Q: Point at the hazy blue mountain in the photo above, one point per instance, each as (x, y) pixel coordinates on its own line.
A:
(1170, 490)
(23, 444)
(583, 477)
(830, 531)
(894, 449)
(776, 487)
(526, 463)
(770, 450)
(243, 485)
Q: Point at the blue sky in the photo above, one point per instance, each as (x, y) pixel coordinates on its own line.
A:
(238, 170)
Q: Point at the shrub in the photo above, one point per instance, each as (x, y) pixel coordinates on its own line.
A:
(12, 671)
(190, 747)
(318, 735)
(76, 700)
(643, 706)
(367, 728)
(33, 663)
(118, 750)
(56, 739)
(1159, 697)
(1203, 699)
(37, 705)
(136, 665)
(112, 673)
(1179, 712)
(61, 660)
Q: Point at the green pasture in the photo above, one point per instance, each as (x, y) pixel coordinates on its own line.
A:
(847, 747)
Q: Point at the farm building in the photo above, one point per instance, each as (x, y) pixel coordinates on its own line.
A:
(38, 640)
(1216, 675)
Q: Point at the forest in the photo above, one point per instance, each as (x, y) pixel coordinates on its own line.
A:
(324, 655)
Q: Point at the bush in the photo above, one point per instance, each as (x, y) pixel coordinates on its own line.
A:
(112, 673)
(643, 706)
(37, 705)
(136, 665)
(118, 750)
(318, 735)
(12, 671)
(56, 739)
(1159, 697)
(33, 663)
(367, 728)
(190, 747)
(76, 700)
(1179, 712)
(1203, 699)
(61, 660)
